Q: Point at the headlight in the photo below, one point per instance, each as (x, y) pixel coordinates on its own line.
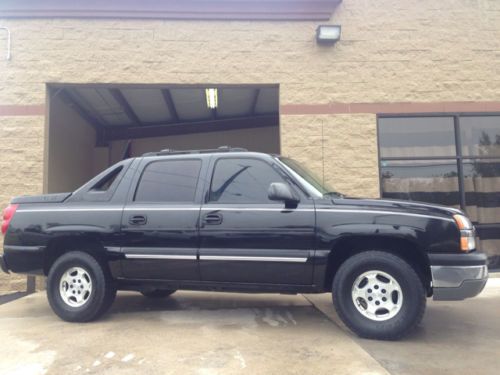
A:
(467, 233)
(463, 222)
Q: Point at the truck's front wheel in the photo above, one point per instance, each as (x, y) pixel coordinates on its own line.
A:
(79, 288)
(378, 295)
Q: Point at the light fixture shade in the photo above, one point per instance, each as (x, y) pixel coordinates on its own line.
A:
(211, 95)
(329, 34)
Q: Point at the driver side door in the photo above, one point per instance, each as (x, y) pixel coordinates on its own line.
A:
(247, 238)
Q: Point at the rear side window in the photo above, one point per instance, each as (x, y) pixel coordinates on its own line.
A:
(242, 181)
(105, 183)
(169, 181)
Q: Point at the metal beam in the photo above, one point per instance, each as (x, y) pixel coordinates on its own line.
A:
(117, 94)
(170, 105)
(98, 126)
(160, 130)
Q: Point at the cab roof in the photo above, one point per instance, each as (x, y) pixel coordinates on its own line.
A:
(219, 150)
(169, 151)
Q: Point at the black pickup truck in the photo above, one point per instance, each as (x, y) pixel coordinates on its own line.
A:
(233, 220)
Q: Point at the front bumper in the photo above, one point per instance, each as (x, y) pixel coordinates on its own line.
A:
(458, 276)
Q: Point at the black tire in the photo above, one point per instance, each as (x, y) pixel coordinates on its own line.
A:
(157, 293)
(413, 296)
(99, 298)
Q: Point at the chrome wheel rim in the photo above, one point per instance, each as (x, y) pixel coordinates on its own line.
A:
(75, 286)
(377, 295)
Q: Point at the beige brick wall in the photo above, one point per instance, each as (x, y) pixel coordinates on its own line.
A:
(21, 171)
(391, 51)
(340, 149)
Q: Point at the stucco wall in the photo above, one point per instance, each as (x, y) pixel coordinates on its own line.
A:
(390, 51)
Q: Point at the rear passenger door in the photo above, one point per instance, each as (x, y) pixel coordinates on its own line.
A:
(247, 238)
(160, 220)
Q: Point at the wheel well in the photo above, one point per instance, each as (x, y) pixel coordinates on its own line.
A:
(62, 245)
(405, 249)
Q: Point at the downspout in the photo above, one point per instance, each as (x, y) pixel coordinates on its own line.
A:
(7, 57)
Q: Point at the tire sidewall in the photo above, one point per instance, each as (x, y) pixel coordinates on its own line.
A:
(92, 306)
(406, 277)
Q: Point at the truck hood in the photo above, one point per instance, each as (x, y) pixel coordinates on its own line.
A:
(397, 206)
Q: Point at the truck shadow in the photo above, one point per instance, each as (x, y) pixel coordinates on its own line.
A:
(130, 302)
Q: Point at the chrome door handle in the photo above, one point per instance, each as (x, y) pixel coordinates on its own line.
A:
(137, 220)
(212, 219)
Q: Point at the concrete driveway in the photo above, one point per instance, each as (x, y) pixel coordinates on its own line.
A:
(224, 333)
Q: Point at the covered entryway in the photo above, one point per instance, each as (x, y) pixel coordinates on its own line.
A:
(90, 127)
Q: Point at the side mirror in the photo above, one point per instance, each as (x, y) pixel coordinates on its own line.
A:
(279, 191)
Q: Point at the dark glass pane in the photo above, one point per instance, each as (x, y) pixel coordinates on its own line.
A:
(105, 183)
(433, 181)
(482, 190)
(169, 181)
(416, 137)
(480, 135)
(242, 181)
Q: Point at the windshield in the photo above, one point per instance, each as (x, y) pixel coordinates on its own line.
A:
(308, 180)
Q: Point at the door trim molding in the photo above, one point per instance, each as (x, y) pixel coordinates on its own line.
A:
(253, 258)
(160, 256)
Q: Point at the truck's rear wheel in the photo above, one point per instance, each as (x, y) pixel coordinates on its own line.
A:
(378, 295)
(79, 288)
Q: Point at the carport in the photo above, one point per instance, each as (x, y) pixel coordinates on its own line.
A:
(90, 127)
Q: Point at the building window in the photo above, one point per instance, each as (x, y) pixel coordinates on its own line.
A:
(410, 137)
(433, 181)
(452, 160)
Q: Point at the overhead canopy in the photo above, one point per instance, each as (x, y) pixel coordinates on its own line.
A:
(138, 111)
(172, 9)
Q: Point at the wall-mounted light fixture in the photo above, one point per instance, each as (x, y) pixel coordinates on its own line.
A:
(211, 95)
(328, 34)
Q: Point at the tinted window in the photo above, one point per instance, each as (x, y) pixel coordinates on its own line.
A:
(416, 137)
(480, 135)
(169, 181)
(434, 181)
(105, 183)
(242, 181)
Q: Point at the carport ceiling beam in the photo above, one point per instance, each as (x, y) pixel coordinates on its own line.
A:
(117, 94)
(68, 98)
(170, 105)
(116, 133)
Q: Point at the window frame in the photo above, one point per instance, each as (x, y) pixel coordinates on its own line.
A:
(143, 168)
(459, 157)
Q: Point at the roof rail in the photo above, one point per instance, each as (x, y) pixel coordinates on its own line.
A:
(169, 151)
